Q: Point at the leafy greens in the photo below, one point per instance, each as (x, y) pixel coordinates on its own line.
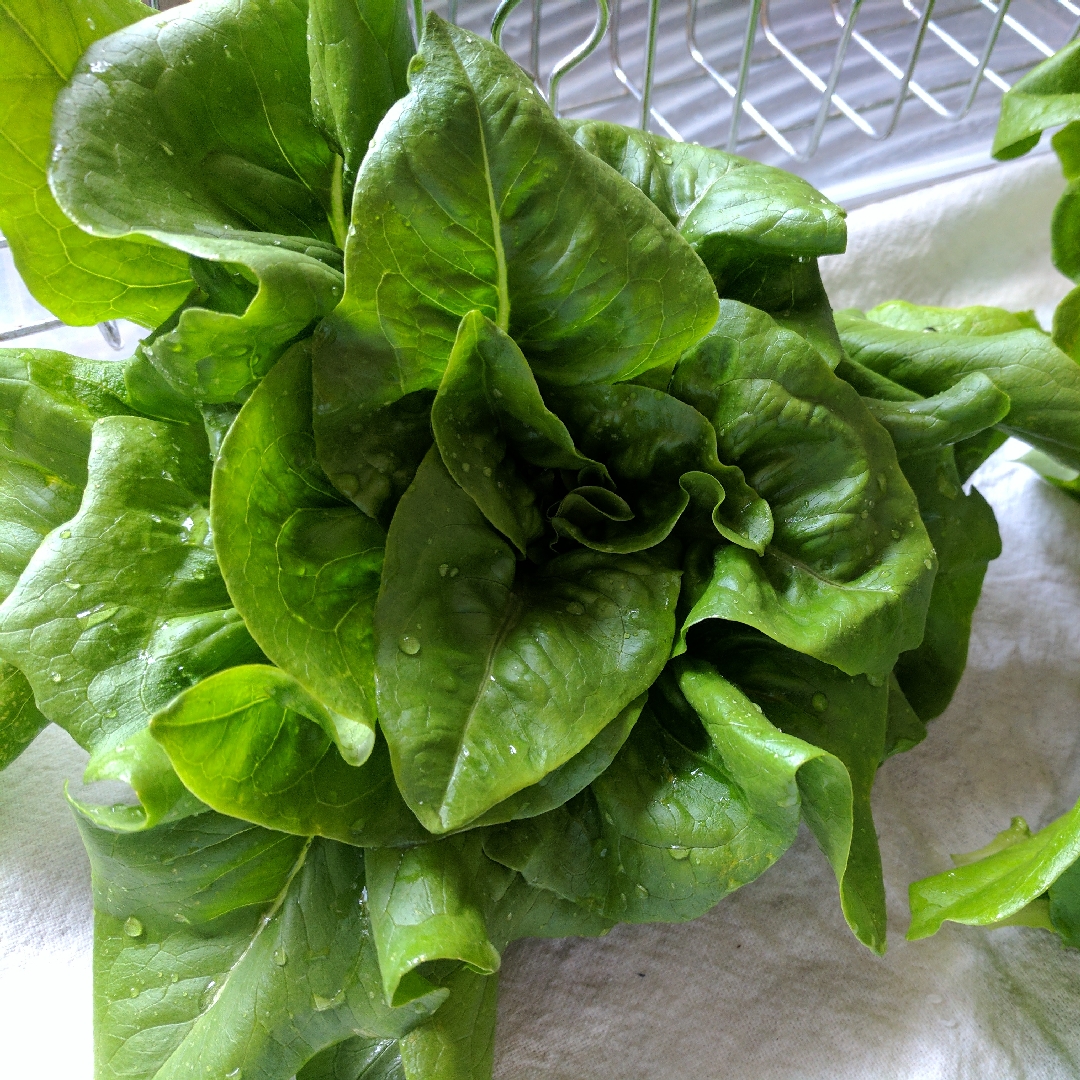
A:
(496, 536)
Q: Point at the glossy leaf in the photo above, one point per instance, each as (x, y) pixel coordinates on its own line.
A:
(964, 532)
(359, 52)
(489, 411)
(301, 564)
(845, 716)
(20, 720)
(847, 575)
(929, 350)
(727, 208)
(1014, 870)
(661, 455)
(473, 197)
(356, 1059)
(220, 946)
(251, 743)
(904, 729)
(81, 279)
(490, 673)
(692, 808)
(143, 152)
(123, 606)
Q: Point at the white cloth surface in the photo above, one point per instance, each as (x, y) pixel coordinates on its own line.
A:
(770, 985)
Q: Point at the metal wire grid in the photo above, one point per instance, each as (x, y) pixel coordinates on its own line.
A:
(862, 97)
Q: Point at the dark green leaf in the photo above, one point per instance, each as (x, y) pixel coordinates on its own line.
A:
(124, 606)
(903, 728)
(661, 454)
(964, 533)
(491, 673)
(1064, 897)
(996, 883)
(301, 564)
(20, 720)
(488, 404)
(359, 52)
(223, 948)
(82, 279)
(848, 573)
(1066, 333)
(930, 350)
(356, 1059)
(689, 811)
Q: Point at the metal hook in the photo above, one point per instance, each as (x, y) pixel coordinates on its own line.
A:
(584, 50)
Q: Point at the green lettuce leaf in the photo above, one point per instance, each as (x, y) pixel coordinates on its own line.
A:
(301, 564)
(704, 797)
(81, 279)
(356, 1059)
(490, 673)
(964, 532)
(221, 948)
(123, 606)
(358, 52)
(473, 197)
(1047, 96)
(245, 191)
(20, 720)
(847, 575)
(999, 882)
(929, 350)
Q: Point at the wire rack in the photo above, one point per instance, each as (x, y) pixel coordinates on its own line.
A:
(862, 97)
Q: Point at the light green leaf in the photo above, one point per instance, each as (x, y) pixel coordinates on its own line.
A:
(1043, 383)
(123, 606)
(224, 948)
(81, 279)
(142, 151)
(301, 564)
(488, 411)
(933, 423)
(359, 52)
(847, 575)
(1045, 97)
(473, 197)
(491, 674)
(1011, 872)
(251, 743)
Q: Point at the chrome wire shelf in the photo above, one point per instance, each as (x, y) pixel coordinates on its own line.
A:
(864, 98)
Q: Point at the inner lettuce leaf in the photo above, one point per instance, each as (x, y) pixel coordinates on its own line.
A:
(929, 350)
(123, 606)
(302, 564)
(358, 54)
(141, 151)
(473, 197)
(847, 575)
(221, 947)
(1005, 883)
(81, 279)
(491, 673)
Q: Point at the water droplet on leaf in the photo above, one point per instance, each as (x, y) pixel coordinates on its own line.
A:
(820, 702)
(408, 644)
(132, 927)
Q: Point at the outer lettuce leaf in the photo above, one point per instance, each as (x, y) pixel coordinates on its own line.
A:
(81, 279)
(301, 564)
(123, 606)
(1049, 95)
(356, 1059)
(473, 197)
(144, 151)
(20, 720)
(848, 717)
(999, 882)
(929, 350)
(359, 52)
(220, 946)
(904, 729)
(692, 808)
(479, 657)
(964, 532)
(847, 575)
(1062, 477)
